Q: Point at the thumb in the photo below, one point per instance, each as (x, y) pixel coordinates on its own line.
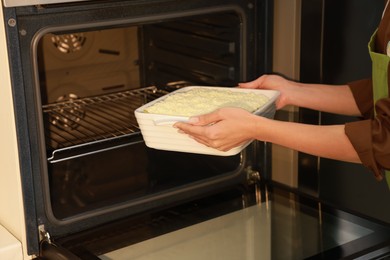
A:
(252, 84)
(205, 119)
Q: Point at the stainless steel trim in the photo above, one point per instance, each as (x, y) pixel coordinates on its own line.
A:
(14, 3)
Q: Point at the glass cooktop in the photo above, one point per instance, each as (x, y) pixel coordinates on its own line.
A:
(283, 226)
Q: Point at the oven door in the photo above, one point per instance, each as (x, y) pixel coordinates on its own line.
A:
(80, 70)
(276, 224)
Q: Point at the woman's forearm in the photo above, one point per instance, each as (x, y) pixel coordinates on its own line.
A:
(327, 98)
(324, 141)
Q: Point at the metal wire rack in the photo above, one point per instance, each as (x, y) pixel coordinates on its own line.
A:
(78, 123)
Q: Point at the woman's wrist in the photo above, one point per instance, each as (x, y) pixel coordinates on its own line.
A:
(260, 128)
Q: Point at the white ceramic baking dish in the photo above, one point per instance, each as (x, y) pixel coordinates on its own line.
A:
(158, 132)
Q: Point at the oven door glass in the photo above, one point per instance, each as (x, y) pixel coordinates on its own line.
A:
(284, 225)
(277, 229)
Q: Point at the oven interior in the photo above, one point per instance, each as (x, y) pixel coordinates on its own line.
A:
(90, 82)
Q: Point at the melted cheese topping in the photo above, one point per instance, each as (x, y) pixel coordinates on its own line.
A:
(199, 101)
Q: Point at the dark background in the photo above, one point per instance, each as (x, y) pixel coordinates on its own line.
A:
(334, 50)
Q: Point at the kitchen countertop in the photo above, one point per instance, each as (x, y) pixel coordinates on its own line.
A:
(10, 247)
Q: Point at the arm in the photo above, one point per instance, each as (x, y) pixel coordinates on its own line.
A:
(228, 127)
(324, 141)
(327, 98)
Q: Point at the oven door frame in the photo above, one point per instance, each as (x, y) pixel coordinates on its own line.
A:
(23, 23)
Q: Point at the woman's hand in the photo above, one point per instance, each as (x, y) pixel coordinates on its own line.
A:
(222, 129)
(274, 82)
(227, 128)
(327, 98)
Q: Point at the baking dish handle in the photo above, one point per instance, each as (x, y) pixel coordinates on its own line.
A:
(169, 121)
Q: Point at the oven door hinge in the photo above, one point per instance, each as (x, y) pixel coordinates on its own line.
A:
(49, 250)
(253, 177)
(43, 234)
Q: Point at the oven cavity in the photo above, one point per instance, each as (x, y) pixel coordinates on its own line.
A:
(90, 83)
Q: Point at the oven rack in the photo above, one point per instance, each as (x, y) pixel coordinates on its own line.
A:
(79, 127)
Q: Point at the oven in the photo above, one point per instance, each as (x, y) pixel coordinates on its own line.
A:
(83, 68)
(79, 69)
